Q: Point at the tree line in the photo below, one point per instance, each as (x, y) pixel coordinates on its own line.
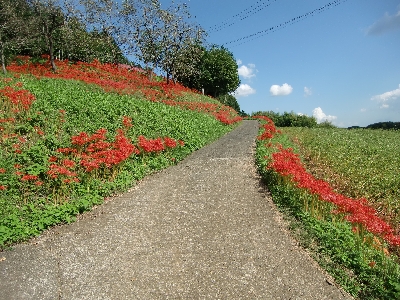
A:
(291, 119)
(160, 40)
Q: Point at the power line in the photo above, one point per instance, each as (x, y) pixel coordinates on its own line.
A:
(292, 21)
(253, 9)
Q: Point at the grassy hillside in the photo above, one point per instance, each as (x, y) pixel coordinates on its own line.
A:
(70, 139)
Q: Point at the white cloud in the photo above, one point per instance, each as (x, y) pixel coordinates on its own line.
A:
(239, 62)
(385, 24)
(247, 72)
(321, 116)
(283, 90)
(387, 97)
(307, 91)
(384, 105)
(363, 110)
(244, 90)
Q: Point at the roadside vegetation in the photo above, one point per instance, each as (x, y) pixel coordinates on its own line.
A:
(318, 178)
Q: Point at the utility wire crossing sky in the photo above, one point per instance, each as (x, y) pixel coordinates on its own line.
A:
(336, 60)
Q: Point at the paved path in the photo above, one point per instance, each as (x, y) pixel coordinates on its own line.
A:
(203, 229)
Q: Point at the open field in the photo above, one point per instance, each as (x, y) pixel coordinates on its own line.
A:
(360, 163)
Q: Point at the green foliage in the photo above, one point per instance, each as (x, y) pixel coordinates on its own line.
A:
(384, 125)
(290, 119)
(326, 124)
(230, 101)
(218, 73)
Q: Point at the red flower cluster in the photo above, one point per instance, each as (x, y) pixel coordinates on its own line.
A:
(2, 187)
(269, 128)
(29, 177)
(157, 145)
(222, 113)
(94, 151)
(21, 99)
(63, 170)
(126, 80)
(286, 163)
(127, 122)
(111, 77)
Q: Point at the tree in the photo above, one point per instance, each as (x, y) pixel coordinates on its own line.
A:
(142, 31)
(181, 42)
(14, 26)
(229, 100)
(162, 39)
(103, 17)
(49, 20)
(217, 73)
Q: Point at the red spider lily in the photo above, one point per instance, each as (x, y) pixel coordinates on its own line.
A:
(38, 130)
(68, 163)
(80, 139)
(100, 134)
(3, 188)
(287, 163)
(38, 183)
(8, 120)
(127, 122)
(2, 170)
(96, 151)
(67, 150)
(98, 146)
(71, 180)
(56, 170)
(149, 145)
(169, 143)
(123, 80)
(53, 159)
(28, 177)
(269, 128)
(20, 99)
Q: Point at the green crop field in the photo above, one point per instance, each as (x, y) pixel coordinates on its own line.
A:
(360, 163)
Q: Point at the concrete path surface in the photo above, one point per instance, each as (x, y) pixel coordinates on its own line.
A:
(203, 229)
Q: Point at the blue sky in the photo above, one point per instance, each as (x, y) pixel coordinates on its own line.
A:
(341, 65)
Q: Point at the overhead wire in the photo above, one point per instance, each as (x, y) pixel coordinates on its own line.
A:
(292, 21)
(244, 14)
